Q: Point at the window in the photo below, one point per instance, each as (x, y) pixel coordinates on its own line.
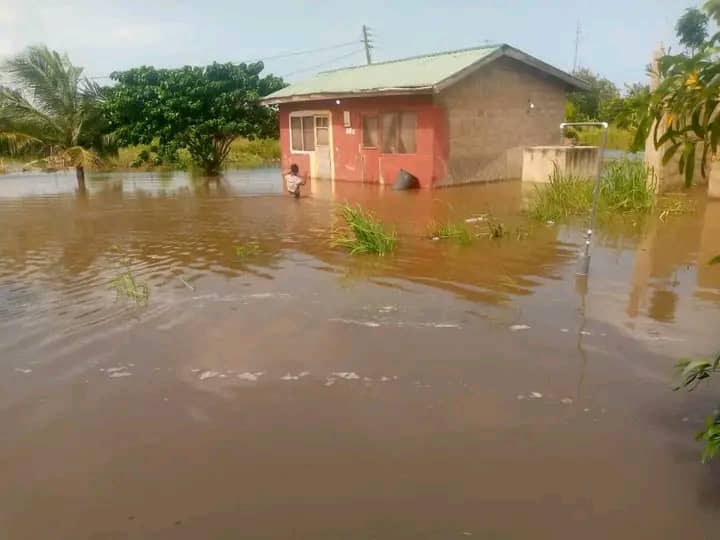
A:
(370, 131)
(321, 130)
(398, 133)
(302, 133)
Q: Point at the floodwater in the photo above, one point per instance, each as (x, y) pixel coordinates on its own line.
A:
(443, 392)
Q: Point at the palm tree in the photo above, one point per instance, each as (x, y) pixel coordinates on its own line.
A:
(50, 108)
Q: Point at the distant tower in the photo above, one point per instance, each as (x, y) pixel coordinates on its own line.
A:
(577, 47)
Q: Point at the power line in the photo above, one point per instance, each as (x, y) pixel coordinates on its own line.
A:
(310, 68)
(277, 56)
(306, 51)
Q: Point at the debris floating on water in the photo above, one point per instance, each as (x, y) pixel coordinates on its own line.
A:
(586, 332)
(520, 396)
(209, 375)
(23, 370)
(566, 401)
(535, 395)
(517, 327)
(348, 375)
(116, 374)
(564, 330)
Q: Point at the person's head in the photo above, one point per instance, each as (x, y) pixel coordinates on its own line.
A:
(294, 168)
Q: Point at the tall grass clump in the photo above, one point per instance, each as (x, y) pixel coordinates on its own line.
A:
(363, 232)
(626, 187)
(564, 196)
(457, 232)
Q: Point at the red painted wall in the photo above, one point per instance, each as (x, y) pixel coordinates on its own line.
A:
(354, 163)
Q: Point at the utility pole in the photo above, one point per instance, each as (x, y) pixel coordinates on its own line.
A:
(368, 44)
(577, 47)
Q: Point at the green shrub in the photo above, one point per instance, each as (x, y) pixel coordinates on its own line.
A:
(363, 233)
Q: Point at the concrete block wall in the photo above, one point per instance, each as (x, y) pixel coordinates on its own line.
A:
(539, 162)
(490, 120)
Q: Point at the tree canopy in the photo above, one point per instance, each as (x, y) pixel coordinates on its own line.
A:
(692, 29)
(589, 105)
(202, 109)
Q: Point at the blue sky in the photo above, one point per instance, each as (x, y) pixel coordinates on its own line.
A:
(617, 39)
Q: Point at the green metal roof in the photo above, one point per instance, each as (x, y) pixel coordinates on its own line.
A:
(419, 74)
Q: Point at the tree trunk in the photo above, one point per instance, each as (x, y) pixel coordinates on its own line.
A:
(80, 175)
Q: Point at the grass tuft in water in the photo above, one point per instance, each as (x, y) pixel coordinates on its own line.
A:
(457, 232)
(128, 287)
(363, 233)
(627, 187)
(247, 250)
(496, 229)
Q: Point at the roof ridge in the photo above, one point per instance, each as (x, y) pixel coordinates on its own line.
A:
(429, 55)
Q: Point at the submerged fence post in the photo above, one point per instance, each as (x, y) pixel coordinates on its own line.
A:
(584, 262)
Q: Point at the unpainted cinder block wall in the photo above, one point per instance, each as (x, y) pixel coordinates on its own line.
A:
(490, 120)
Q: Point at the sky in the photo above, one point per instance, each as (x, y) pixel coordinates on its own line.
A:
(617, 36)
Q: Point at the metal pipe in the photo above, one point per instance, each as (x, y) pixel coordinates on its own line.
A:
(584, 263)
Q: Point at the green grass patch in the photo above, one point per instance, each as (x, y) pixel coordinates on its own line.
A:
(617, 138)
(458, 232)
(363, 232)
(128, 287)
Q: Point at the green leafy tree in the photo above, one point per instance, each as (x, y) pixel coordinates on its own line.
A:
(203, 109)
(692, 29)
(51, 109)
(590, 105)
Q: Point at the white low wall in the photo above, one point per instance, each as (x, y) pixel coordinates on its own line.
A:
(539, 162)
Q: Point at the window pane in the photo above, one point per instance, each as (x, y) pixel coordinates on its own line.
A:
(296, 133)
(322, 136)
(308, 133)
(370, 131)
(408, 123)
(389, 127)
(321, 121)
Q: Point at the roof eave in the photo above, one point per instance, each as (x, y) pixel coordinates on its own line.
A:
(322, 96)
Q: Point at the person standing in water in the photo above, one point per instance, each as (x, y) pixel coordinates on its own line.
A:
(294, 181)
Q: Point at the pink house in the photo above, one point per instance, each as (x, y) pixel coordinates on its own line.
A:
(447, 118)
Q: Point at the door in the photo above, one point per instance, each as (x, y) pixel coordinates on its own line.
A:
(370, 149)
(322, 147)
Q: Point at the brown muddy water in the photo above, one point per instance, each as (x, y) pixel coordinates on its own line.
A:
(443, 392)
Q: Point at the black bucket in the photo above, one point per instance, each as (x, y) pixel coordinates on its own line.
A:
(405, 180)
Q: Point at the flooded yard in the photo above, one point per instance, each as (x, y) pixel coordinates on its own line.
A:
(445, 391)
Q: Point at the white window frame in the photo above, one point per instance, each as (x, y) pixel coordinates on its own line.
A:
(314, 114)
